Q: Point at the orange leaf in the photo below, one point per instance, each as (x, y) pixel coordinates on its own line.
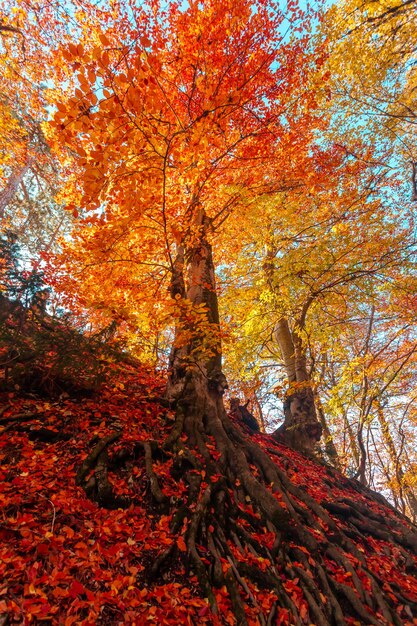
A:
(181, 544)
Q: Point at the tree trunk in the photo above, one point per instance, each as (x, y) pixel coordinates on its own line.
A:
(405, 491)
(329, 446)
(301, 428)
(361, 473)
(350, 447)
(196, 354)
(16, 177)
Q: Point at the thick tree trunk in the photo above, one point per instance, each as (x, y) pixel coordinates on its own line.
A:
(301, 428)
(196, 354)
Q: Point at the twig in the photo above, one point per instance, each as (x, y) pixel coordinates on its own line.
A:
(261, 616)
(4, 409)
(54, 511)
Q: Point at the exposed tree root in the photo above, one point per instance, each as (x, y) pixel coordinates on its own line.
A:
(9, 422)
(308, 536)
(4, 408)
(98, 486)
(20, 422)
(242, 525)
(158, 495)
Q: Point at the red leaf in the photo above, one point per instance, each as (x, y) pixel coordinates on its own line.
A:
(203, 611)
(43, 549)
(76, 589)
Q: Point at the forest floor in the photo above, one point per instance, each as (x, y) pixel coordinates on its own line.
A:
(67, 559)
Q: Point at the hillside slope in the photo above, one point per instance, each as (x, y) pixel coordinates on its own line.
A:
(87, 535)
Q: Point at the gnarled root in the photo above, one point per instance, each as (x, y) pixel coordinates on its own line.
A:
(98, 486)
(251, 534)
(311, 561)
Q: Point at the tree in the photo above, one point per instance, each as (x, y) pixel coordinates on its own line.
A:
(182, 118)
(176, 120)
(186, 124)
(371, 60)
(370, 123)
(322, 260)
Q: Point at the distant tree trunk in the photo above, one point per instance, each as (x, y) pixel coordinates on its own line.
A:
(301, 428)
(329, 446)
(353, 444)
(406, 493)
(365, 404)
(16, 177)
(259, 412)
(361, 474)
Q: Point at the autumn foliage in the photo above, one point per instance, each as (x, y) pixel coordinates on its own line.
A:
(197, 205)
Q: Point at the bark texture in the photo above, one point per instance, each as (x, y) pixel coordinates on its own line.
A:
(196, 354)
(301, 428)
